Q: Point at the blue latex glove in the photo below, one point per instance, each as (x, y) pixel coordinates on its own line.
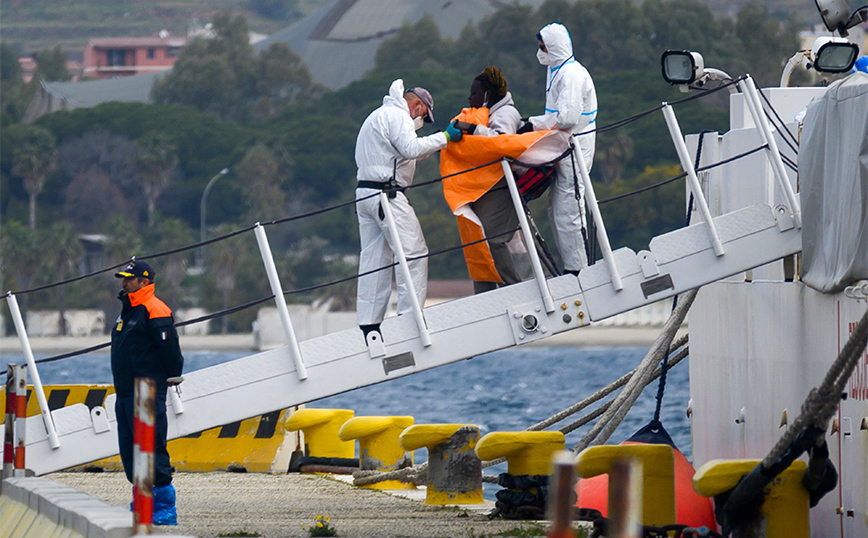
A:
(453, 133)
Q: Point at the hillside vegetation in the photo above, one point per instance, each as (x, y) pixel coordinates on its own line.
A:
(34, 25)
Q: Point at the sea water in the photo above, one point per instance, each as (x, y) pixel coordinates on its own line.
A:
(507, 390)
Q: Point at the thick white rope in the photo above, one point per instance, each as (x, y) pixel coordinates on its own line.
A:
(606, 425)
(419, 474)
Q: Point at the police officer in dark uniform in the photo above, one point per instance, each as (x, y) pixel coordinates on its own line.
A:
(145, 344)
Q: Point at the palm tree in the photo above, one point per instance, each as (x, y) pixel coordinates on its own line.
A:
(157, 161)
(22, 254)
(34, 156)
(63, 251)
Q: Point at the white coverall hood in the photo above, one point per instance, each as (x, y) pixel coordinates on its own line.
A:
(571, 106)
(557, 40)
(396, 95)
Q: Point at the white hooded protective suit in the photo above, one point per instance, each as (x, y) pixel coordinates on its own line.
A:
(387, 144)
(571, 105)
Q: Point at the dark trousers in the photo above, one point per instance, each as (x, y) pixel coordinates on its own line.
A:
(497, 214)
(124, 410)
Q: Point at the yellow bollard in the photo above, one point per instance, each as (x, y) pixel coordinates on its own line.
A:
(379, 449)
(320, 428)
(658, 475)
(526, 453)
(454, 471)
(787, 502)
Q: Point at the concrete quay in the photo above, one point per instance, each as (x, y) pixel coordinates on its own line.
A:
(285, 505)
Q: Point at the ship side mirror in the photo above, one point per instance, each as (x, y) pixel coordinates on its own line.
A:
(834, 55)
(682, 67)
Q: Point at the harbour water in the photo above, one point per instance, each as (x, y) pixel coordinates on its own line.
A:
(502, 391)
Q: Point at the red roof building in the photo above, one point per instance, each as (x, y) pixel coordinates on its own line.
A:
(109, 57)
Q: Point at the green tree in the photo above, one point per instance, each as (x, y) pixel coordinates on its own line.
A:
(34, 156)
(633, 221)
(767, 42)
(415, 46)
(14, 94)
(275, 9)
(51, 65)
(62, 251)
(21, 252)
(166, 235)
(221, 76)
(262, 172)
(157, 161)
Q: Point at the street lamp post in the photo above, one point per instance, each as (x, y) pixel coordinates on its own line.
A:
(202, 213)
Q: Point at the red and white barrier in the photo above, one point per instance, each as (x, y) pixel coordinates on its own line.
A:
(20, 417)
(9, 430)
(143, 456)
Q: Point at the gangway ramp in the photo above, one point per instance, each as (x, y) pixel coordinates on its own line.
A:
(460, 329)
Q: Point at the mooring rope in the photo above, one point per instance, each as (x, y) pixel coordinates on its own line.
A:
(603, 429)
(421, 472)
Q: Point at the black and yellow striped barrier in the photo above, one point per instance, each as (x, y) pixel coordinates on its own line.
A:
(259, 444)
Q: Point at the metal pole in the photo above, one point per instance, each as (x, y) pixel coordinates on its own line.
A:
(692, 180)
(143, 455)
(34, 373)
(9, 433)
(602, 236)
(20, 419)
(202, 212)
(561, 492)
(625, 499)
(280, 300)
(398, 250)
(535, 263)
(774, 155)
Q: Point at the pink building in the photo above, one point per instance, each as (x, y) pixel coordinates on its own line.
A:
(109, 57)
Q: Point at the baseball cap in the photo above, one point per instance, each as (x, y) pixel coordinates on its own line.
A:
(138, 269)
(426, 98)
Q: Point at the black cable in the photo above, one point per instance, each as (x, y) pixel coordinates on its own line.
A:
(682, 175)
(784, 128)
(787, 161)
(631, 119)
(245, 306)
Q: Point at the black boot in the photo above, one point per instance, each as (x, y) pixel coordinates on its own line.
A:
(369, 328)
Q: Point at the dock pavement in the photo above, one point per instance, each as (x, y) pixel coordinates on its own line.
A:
(286, 505)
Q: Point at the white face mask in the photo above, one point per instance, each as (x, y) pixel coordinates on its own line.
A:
(418, 123)
(543, 57)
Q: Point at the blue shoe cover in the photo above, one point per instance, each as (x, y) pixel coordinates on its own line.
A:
(164, 505)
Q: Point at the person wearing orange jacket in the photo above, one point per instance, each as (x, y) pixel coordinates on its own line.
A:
(494, 208)
(144, 343)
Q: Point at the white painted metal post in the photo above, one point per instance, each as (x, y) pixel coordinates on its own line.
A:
(538, 274)
(53, 440)
(692, 180)
(774, 155)
(602, 236)
(398, 250)
(279, 300)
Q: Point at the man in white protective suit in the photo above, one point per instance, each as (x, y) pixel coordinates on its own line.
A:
(386, 151)
(571, 106)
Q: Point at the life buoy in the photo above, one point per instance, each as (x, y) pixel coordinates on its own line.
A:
(691, 508)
